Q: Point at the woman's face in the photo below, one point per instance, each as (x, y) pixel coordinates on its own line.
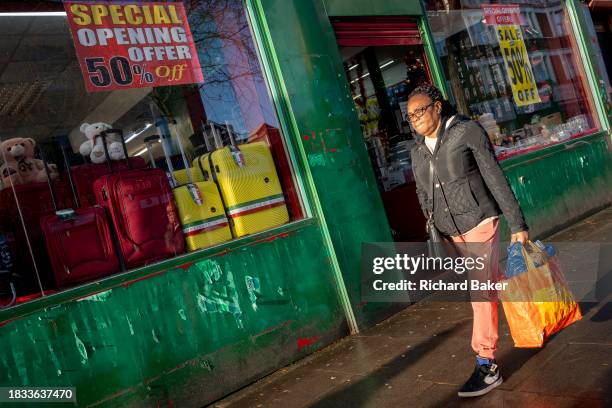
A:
(424, 115)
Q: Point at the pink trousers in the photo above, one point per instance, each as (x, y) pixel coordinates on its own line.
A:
(485, 331)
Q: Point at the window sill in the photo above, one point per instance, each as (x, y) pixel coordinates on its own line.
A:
(541, 152)
(135, 275)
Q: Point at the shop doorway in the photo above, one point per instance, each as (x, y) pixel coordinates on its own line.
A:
(384, 61)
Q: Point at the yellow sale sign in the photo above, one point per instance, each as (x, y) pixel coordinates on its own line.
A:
(507, 20)
(518, 67)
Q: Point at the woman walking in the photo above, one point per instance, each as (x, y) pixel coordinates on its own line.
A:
(463, 190)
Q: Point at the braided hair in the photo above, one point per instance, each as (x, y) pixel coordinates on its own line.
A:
(436, 96)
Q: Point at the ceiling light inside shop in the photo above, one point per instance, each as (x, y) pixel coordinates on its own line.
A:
(353, 67)
(35, 14)
(143, 151)
(138, 133)
(361, 77)
(386, 64)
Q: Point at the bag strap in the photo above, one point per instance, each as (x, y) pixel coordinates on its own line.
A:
(432, 189)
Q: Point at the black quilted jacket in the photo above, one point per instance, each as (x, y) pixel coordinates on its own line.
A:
(469, 185)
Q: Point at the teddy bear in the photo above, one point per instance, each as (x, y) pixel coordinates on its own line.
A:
(93, 146)
(20, 166)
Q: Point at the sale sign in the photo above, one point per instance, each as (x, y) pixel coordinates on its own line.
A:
(123, 45)
(506, 19)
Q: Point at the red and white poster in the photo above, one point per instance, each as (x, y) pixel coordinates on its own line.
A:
(122, 45)
(500, 14)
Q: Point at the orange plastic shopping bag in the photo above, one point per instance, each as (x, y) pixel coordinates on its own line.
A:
(537, 301)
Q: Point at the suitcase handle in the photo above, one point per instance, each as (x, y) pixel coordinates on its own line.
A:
(66, 212)
(164, 130)
(109, 163)
(185, 162)
(75, 195)
(234, 149)
(216, 137)
(206, 137)
(49, 181)
(230, 134)
(149, 140)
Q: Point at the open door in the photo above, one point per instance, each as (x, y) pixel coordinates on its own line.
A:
(384, 61)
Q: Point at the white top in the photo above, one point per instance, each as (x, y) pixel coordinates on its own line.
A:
(430, 142)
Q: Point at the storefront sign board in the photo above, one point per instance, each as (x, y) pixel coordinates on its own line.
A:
(123, 45)
(506, 19)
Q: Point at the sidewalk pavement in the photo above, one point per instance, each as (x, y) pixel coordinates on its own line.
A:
(422, 355)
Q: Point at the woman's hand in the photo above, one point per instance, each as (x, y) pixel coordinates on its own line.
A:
(521, 236)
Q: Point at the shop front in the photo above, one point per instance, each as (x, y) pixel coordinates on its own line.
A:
(186, 185)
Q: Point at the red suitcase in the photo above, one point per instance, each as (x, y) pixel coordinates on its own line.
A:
(84, 175)
(32, 201)
(79, 241)
(141, 206)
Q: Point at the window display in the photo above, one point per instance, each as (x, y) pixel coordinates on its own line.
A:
(381, 79)
(101, 175)
(513, 66)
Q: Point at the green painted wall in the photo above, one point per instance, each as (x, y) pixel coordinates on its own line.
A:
(558, 185)
(319, 100)
(338, 8)
(189, 334)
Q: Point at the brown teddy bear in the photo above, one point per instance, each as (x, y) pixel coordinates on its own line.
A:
(20, 164)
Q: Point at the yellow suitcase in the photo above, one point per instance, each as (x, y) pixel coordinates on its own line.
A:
(200, 207)
(203, 220)
(249, 185)
(182, 179)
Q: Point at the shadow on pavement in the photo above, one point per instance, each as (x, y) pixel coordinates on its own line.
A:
(603, 315)
(359, 392)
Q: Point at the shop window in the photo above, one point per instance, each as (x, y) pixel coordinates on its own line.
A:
(207, 160)
(524, 80)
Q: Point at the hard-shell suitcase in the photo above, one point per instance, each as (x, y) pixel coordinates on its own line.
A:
(84, 175)
(199, 205)
(78, 240)
(272, 137)
(182, 178)
(249, 185)
(141, 207)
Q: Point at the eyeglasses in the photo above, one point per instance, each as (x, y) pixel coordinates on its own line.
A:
(418, 113)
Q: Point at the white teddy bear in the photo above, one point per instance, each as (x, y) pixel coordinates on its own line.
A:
(93, 146)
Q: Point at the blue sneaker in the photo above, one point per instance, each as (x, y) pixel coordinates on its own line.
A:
(484, 379)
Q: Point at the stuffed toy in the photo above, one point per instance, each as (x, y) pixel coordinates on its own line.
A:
(93, 146)
(20, 166)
